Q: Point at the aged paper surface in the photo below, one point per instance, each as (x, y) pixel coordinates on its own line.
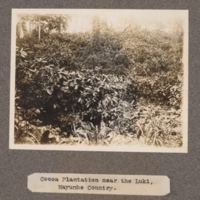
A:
(99, 184)
(99, 80)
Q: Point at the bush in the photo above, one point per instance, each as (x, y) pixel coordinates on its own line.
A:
(86, 83)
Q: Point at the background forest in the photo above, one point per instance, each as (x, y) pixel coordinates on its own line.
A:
(99, 87)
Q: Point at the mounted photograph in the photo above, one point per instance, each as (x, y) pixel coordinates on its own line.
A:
(99, 80)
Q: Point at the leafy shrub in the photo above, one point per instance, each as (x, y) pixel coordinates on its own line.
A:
(92, 85)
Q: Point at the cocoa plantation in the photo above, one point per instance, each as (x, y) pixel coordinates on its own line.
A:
(99, 87)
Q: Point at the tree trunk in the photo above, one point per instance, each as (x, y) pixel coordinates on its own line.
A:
(60, 26)
(39, 31)
(20, 30)
(30, 28)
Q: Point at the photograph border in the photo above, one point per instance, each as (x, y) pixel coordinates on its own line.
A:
(135, 148)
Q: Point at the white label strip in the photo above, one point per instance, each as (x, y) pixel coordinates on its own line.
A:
(99, 184)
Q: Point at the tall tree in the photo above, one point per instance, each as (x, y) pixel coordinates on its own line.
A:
(43, 23)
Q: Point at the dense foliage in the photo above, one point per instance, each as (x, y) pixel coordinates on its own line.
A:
(99, 86)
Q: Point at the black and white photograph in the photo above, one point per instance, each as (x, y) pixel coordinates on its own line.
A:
(99, 80)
